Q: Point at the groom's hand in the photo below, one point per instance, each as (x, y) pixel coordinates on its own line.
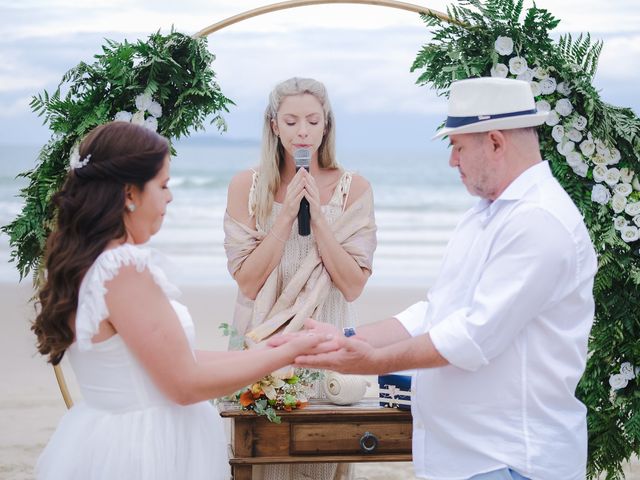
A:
(353, 356)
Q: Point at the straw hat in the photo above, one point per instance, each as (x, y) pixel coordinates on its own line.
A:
(487, 103)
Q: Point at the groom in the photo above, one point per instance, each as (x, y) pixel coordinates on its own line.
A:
(501, 341)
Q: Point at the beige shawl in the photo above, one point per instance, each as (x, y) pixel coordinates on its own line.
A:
(302, 297)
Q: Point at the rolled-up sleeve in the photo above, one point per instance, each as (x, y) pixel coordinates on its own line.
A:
(413, 319)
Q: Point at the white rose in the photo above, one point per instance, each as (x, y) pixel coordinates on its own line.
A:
(623, 189)
(599, 173)
(543, 106)
(636, 220)
(138, 118)
(617, 381)
(526, 76)
(574, 158)
(632, 209)
(564, 107)
(612, 177)
(636, 184)
(630, 233)
(587, 148)
(155, 109)
(627, 371)
(557, 133)
(504, 45)
(565, 148)
(619, 222)
(574, 135)
(499, 70)
(553, 118)
(517, 65)
(615, 154)
(618, 202)
(626, 175)
(535, 88)
(581, 169)
(580, 123)
(600, 194)
(599, 159)
(151, 123)
(143, 101)
(540, 73)
(122, 117)
(548, 86)
(600, 146)
(563, 88)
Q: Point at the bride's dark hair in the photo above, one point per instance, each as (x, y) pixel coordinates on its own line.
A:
(90, 214)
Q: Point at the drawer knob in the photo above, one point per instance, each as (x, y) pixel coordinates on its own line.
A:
(368, 442)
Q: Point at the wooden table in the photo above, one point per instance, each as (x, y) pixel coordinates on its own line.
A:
(319, 433)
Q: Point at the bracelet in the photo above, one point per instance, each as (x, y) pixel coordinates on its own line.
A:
(271, 232)
(349, 331)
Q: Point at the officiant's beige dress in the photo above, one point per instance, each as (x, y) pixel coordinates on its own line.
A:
(300, 287)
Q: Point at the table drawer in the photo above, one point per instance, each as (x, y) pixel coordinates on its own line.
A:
(350, 438)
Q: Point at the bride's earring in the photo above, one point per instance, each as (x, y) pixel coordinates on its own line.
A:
(131, 207)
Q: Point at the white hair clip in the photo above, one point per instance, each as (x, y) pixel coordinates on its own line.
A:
(76, 162)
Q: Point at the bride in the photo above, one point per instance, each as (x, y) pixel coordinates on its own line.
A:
(108, 305)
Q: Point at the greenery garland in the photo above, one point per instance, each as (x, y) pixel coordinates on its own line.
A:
(173, 69)
(594, 151)
(593, 148)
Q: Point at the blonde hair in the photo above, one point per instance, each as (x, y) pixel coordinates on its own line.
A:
(272, 151)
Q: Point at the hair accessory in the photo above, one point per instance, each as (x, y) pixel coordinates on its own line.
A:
(488, 103)
(131, 207)
(76, 162)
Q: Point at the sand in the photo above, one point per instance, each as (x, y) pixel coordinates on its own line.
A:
(31, 404)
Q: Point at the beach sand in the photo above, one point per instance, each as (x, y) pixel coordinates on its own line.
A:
(31, 404)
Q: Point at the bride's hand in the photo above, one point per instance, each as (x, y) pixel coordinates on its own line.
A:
(295, 192)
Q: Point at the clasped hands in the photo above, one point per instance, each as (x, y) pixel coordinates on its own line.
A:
(336, 353)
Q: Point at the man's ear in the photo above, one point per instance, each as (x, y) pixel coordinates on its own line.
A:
(497, 142)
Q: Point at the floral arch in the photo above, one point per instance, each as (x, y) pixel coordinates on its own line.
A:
(593, 149)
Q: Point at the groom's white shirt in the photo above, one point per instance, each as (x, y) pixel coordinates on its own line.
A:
(511, 311)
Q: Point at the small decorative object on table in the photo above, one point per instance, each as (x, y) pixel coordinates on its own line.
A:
(395, 390)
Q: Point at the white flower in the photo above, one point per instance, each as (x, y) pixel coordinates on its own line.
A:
(619, 222)
(557, 133)
(587, 148)
(155, 109)
(636, 220)
(553, 118)
(599, 173)
(580, 123)
(581, 169)
(543, 106)
(612, 177)
(630, 233)
(565, 148)
(143, 101)
(636, 184)
(599, 159)
(151, 123)
(504, 45)
(123, 117)
(535, 88)
(618, 202)
(632, 209)
(617, 381)
(564, 107)
(517, 65)
(574, 159)
(138, 118)
(540, 73)
(563, 88)
(623, 189)
(574, 135)
(526, 76)
(548, 86)
(627, 371)
(615, 155)
(626, 175)
(600, 194)
(600, 146)
(499, 70)
(75, 161)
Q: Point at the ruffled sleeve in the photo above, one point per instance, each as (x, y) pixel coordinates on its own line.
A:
(92, 307)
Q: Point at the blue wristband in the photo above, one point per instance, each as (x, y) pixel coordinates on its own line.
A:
(349, 331)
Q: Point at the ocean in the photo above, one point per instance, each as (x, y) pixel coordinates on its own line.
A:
(418, 201)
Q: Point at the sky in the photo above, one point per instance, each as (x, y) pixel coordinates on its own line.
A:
(363, 54)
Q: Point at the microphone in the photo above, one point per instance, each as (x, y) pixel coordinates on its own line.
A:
(302, 156)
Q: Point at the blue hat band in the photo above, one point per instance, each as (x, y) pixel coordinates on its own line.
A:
(455, 122)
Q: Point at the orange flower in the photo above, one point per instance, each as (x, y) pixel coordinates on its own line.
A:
(246, 398)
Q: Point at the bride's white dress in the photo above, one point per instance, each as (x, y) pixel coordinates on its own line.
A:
(125, 428)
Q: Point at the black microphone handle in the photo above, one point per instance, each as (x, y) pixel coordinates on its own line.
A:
(304, 218)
